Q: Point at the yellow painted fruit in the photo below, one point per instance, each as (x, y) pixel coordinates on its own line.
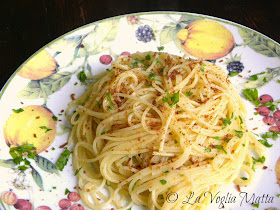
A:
(40, 66)
(35, 125)
(206, 39)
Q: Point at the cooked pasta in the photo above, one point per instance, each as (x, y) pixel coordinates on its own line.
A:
(154, 124)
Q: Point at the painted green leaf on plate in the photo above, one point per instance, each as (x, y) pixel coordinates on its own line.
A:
(37, 178)
(259, 43)
(9, 163)
(46, 86)
(46, 165)
(269, 75)
(166, 34)
(100, 38)
(32, 90)
(55, 82)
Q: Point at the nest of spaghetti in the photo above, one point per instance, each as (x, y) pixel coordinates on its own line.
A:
(155, 129)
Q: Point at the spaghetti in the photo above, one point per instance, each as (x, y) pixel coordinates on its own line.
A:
(156, 123)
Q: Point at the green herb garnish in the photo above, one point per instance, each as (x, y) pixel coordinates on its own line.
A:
(66, 191)
(77, 171)
(134, 185)
(174, 98)
(256, 205)
(148, 57)
(217, 137)
(63, 159)
(54, 118)
(166, 172)
(208, 149)
(45, 128)
(252, 95)
(202, 67)
(160, 48)
(189, 93)
(163, 181)
(152, 76)
(221, 148)
(18, 110)
(244, 178)
(233, 73)
(265, 143)
(238, 133)
(82, 76)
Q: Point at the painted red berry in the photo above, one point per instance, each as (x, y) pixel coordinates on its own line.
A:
(278, 124)
(23, 205)
(274, 129)
(276, 114)
(74, 197)
(64, 203)
(43, 208)
(105, 59)
(265, 98)
(76, 206)
(125, 53)
(9, 197)
(263, 110)
(269, 120)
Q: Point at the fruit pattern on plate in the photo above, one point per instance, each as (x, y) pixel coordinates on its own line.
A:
(71, 60)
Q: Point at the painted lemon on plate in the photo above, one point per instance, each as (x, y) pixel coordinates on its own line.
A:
(34, 125)
(40, 66)
(206, 39)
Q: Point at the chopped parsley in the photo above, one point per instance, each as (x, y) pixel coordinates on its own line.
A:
(45, 128)
(241, 120)
(54, 118)
(157, 61)
(174, 98)
(252, 95)
(103, 132)
(109, 70)
(77, 171)
(260, 160)
(66, 191)
(53, 148)
(265, 143)
(134, 185)
(166, 172)
(202, 67)
(217, 137)
(111, 106)
(152, 76)
(278, 196)
(221, 148)
(189, 93)
(18, 110)
(208, 149)
(272, 135)
(19, 153)
(233, 73)
(82, 76)
(75, 83)
(148, 57)
(63, 159)
(160, 48)
(244, 178)
(256, 205)
(238, 133)
(226, 121)
(163, 181)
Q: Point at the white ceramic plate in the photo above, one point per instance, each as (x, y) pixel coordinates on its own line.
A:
(42, 86)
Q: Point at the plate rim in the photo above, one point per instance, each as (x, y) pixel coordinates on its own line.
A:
(5, 86)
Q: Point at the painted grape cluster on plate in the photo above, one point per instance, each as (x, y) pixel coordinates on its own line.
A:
(35, 158)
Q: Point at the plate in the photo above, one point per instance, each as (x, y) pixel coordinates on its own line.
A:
(34, 100)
